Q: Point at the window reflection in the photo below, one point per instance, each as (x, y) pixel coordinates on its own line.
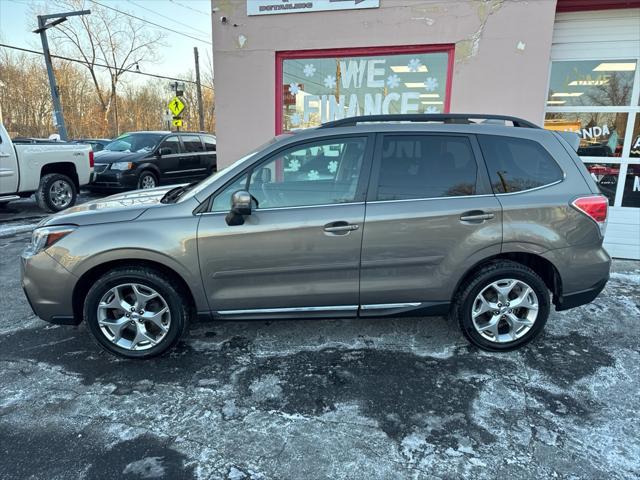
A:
(591, 83)
(606, 176)
(601, 133)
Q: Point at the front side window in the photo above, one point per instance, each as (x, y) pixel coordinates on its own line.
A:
(517, 164)
(192, 143)
(312, 174)
(426, 166)
(172, 143)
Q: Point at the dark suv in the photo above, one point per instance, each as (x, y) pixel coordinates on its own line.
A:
(441, 214)
(143, 160)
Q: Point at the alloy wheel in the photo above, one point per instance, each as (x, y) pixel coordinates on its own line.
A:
(505, 310)
(147, 182)
(61, 194)
(133, 316)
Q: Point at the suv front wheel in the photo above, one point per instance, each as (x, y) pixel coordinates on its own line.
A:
(503, 306)
(136, 312)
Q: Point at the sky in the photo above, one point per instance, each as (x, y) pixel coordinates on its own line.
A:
(192, 17)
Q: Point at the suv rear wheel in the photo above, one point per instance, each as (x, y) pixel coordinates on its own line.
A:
(503, 306)
(136, 312)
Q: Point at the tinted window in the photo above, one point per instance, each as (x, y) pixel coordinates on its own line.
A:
(192, 143)
(209, 144)
(313, 174)
(172, 143)
(426, 166)
(517, 164)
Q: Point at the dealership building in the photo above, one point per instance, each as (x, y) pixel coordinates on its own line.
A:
(282, 65)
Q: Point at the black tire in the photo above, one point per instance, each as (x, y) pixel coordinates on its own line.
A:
(45, 197)
(175, 297)
(481, 278)
(145, 178)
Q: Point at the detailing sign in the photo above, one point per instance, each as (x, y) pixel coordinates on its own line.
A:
(271, 7)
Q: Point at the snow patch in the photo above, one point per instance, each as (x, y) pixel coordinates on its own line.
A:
(148, 467)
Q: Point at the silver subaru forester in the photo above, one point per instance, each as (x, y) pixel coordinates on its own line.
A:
(482, 217)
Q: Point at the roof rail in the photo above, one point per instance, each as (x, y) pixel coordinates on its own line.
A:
(427, 117)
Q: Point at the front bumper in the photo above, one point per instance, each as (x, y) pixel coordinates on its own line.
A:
(48, 287)
(114, 180)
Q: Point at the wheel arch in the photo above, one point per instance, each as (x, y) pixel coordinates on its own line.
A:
(149, 167)
(540, 265)
(87, 279)
(63, 168)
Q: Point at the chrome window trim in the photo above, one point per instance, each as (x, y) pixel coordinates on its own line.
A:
(290, 310)
(381, 306)
(535, 188)
(432, 198)
(289, 208)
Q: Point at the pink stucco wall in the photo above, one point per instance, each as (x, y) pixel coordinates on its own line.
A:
(501, 57)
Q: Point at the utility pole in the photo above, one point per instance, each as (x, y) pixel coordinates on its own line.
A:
(199, 89)
(43, 26)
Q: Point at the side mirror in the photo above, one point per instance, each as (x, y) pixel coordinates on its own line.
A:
(164, 151)
(240, 206)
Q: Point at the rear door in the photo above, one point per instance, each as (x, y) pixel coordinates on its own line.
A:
(430, 213)
(8, 166)
(191, 165)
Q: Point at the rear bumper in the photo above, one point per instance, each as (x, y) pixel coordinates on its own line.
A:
(583, 297)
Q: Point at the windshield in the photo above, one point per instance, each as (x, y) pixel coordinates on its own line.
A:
(135, 142)
(209, 180)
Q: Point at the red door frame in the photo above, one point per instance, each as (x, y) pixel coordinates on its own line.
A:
(449, 49)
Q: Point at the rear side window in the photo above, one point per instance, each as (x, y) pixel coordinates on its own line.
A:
(517, 164)
(209, 144)
(192, 144)
(426, 166)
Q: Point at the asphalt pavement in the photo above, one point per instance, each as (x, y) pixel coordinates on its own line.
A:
(401, 398)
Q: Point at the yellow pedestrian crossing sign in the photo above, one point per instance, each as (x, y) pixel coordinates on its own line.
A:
(176, 106)
(177, 122)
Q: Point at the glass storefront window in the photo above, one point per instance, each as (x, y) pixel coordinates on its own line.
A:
(325, 87)
(591, 83)
(631, 192)
(606, 176)
(635, 139)
(601, 133)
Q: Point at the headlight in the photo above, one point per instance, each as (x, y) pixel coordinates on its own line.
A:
(121, 166)
(44, 237)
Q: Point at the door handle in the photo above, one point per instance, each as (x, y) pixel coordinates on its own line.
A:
(476, 216)
(340, 227)
(4, 155)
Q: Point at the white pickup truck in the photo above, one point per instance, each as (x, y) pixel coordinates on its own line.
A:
(53, 171)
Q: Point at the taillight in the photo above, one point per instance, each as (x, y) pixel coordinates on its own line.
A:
(91, 159)
(595, 207)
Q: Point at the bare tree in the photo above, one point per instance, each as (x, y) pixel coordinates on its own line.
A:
(109, 38)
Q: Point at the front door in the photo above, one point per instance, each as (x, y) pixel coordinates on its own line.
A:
(430, 213)
(298, 253)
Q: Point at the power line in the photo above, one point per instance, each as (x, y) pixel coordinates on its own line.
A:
(190, 8)
(28, 50)
(150, 23)
(168, 18)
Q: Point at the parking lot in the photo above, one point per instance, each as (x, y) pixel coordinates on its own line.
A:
(402, 398)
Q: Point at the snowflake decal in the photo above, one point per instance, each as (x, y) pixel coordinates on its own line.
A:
(393, 81)
(313, 175)
(330, 82)
(294, 165)
(309, 70)
(333, 166)
(414, 65)
(430, 84)
(431, 109)
(294, 88)
(295, 119)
